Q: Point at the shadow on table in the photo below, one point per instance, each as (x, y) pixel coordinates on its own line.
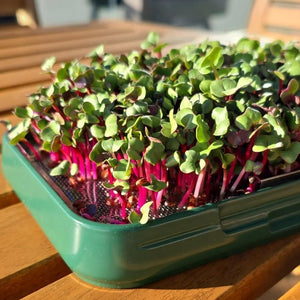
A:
(231, 270)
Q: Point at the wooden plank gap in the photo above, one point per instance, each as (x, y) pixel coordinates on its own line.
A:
(7, 199)
(34, 277)
(275, 268)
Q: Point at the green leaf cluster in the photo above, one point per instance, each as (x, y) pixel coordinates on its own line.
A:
(188, 109)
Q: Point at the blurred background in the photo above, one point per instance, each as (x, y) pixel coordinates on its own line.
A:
(216, 15)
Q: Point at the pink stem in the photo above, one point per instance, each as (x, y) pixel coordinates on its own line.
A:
(66, 153)
(36, 154)
(81, 164)
(200, 183)
(265, 159)
(239, 178)
(142, 198)
(123, 205)
(142, 191)
(94, 170)
(187, 193)
(163, 177)
(223, 189)
(208, 188)
(148, 170)
(230, 172)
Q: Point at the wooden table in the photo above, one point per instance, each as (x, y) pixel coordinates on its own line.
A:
(30, 266)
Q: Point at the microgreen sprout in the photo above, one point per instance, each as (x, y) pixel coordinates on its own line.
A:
(197, 125)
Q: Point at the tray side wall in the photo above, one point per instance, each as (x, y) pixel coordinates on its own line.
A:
(132, 255)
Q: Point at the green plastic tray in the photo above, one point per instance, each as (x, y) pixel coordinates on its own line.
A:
(123, 256)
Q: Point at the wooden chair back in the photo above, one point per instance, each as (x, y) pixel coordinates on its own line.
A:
(278, 19)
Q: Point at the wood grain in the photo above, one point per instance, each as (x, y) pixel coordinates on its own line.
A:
(275, 19)
(28, 260)
(292, 294)
(240, 276)
(37, 58)
(9, 198)
(20, 73)
(5, 188)
(67, 42)
(283, 17)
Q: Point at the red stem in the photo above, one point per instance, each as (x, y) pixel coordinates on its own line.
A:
(66, 153)
(187, 193)
(230, 173)
(163, 177)
(208, 187)
(225, 180)
(80, 163)
(200, 183)
(142, 191)
(32, 149)
(239, 178)
(265, 159)
(249, 148)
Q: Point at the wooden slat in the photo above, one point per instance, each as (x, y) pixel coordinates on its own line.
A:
(283, 17)
(257, 15)
(5, 190)
(22, 77)
(241, 276)
(9, 7)
(62, 35)
(11, 32)
(288, 2)
(28, 260)
(69, 47)
(292, 294)
(7, 199)
(17, 96)
(103, 28)
(67, 43)
(36, 59)
(15, 85)
(269, 19)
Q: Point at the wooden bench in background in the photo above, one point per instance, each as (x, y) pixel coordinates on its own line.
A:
(278, 19)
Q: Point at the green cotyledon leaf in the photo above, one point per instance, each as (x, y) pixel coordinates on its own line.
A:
(202, 130)
(290, 155)
(264, 142)
(122, 170)
(220, 115)
(189, 163)
(145, 211)
(186, 118)
(155, 185)
(19, 131)
(50, 131)
(249, 118)
(111, 124)
(60, 169)
(142, 217)
(154, 152)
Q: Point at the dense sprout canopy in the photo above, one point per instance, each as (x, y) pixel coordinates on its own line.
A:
(192, 126)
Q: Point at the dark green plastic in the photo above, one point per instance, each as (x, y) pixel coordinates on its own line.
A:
(123, 256)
